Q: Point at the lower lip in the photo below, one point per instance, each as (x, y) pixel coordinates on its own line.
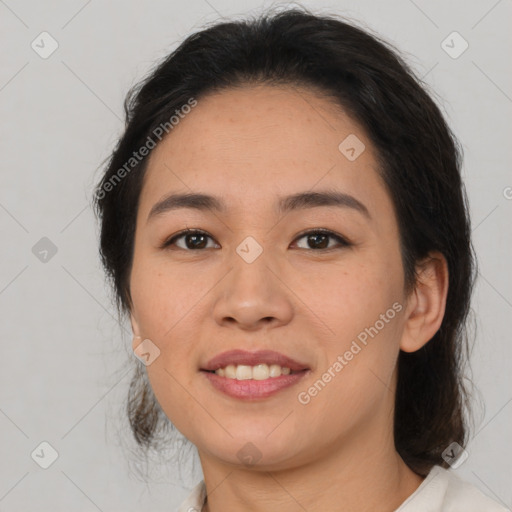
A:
(253, 389)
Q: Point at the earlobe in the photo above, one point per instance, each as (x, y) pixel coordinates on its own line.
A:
(427, 303)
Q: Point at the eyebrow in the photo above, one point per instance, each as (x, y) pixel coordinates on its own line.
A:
(301, 200)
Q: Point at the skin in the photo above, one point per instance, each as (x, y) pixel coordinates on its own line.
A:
(249, 146)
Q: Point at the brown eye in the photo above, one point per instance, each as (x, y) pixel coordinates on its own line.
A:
(319, 239)
(193, 240)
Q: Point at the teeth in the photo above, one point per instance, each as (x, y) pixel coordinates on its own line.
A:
(258, 372)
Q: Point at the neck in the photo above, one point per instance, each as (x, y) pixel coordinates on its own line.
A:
(353, 477)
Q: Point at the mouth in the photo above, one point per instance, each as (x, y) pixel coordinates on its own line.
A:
(253, 375)
(260, 371)
(259, 365)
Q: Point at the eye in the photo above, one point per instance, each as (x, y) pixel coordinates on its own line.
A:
(195, 239)
(319, 239)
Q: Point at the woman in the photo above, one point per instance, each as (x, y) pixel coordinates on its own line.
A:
(284, 223)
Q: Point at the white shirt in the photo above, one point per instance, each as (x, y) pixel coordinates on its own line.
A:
(441, 491)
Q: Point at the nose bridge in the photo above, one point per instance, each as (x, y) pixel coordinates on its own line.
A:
(252, 292)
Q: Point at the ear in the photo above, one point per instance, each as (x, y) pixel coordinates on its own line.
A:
(426, 303)
(136, 332)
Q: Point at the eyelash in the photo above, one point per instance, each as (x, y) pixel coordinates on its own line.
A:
(342, 241)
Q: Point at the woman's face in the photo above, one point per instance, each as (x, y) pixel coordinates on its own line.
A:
(256, 281)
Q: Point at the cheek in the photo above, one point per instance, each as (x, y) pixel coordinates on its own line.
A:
(164, 308)
(360, 304)
(162, 297)
(348, 296)
(172, 305)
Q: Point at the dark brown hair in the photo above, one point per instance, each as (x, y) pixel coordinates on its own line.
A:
(419, 161)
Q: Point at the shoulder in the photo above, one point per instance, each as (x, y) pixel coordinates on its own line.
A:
(441, 491)
(460, 493)
(444, 491)
(195, 500)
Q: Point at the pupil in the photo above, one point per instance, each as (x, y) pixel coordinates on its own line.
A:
(315, 236)
(195, 237)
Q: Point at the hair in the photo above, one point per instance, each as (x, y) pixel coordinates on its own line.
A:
(419, 160)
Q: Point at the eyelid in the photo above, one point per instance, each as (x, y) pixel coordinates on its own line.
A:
(342, 241)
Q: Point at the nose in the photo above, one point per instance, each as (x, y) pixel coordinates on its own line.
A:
(254, 295)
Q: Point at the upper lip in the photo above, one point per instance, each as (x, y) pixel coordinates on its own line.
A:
(236, 357)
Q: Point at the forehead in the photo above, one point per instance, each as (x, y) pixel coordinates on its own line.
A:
(252, 143)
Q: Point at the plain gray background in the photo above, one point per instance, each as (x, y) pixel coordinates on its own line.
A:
(63, 374)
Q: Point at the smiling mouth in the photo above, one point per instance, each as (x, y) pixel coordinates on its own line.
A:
(257, 372)
(253, 383)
